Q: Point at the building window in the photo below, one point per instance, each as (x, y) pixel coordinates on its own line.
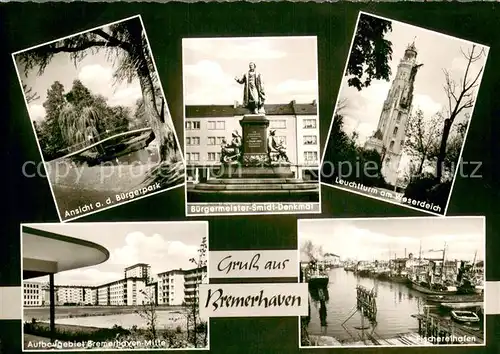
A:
(310, 139)
(309, 123)
(398, 119)
(211, 156)
(310, 156)
(391, 145)
(216, 125)
(395, 131)
(194, 140)
(219, 140)
(194, 125)
(211, 140)
(278, 124)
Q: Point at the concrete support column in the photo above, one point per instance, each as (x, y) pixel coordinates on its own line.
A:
(52, 316)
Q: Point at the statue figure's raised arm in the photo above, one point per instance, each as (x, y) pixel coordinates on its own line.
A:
(240, 80)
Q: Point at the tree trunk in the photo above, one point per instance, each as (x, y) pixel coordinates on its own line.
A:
(421, 166)
(164, 136)
(442, 149)
(167, 146)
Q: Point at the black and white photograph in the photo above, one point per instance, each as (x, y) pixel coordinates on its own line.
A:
(100, 118)
(251, 125)
(114, 286)
(393, 282)
(402, 114)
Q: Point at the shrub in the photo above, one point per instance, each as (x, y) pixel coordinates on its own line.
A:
(76, 334)
(425, 188)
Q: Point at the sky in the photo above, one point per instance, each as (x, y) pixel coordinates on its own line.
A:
(95, 71)
(379, 238)
(288, 66)
(164, 246)
(435, 51)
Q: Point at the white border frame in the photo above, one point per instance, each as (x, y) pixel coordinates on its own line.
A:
(484, 344)
(187, 204)
(138, 223)
(466, 133)
(37, 138)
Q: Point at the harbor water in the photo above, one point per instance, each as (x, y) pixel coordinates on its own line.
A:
(396, 303)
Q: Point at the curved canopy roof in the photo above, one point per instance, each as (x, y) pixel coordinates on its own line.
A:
(46, 253)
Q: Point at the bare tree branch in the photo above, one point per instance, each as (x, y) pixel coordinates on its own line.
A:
(460, 98)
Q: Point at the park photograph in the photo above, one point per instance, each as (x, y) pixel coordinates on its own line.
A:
(251, 125)
(100, 118)
(137, 288)
(402, 114)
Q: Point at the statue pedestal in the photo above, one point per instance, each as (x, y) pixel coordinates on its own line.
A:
(254, 145)
(254, 177)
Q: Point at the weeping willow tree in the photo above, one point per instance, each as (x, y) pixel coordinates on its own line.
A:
(126, 46)
(80, 127)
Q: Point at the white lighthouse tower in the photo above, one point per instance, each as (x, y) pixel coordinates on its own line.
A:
(389, 137)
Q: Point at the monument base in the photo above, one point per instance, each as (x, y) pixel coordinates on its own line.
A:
(265, 171)
(253, 190)
(239, 183)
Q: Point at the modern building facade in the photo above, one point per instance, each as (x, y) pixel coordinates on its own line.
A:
(172, 288)
(123, 292)
(139, 270)
(32, 294)
(192, 278)
(389, 138)
(77, 295)
(206, 126)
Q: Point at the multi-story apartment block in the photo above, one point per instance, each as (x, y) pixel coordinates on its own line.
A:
(296, 126)
(192, 278)
(171, 287)
(178, 286)
(123, 292)
(75, 294)
(152, 292)
(32, 294)
(139, 270)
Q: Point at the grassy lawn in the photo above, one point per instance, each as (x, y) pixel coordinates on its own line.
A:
(42, 313)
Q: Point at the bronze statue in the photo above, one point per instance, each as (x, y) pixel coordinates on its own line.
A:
(231, 152)
(276, 150)
(253, 92)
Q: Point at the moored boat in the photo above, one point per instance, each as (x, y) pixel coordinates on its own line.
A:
(430, 291)
(318, 280)
(461, 305)
(363, 272)
(455, 298)
(464, 316)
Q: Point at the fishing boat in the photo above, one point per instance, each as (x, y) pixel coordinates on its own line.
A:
(464, 316)
(318, 280)
(316, 276)
(432, 290)
(461, 305)
(399, 276)
(455, 298)
(362, 270)
(349, 268)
